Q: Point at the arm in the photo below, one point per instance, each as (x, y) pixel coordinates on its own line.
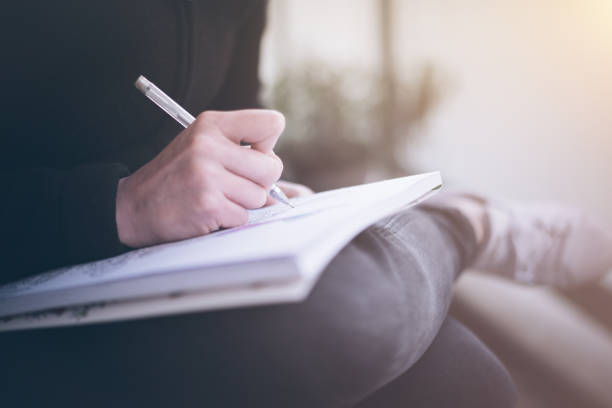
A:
(203, 180)
(54, 217)
(57, 217)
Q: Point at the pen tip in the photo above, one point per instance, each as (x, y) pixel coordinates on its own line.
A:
(278, 194)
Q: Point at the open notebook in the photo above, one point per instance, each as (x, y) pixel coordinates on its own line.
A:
(277, 257)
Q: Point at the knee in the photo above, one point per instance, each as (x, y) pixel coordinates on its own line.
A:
(373, 313)
(369, 328)
(400, 294)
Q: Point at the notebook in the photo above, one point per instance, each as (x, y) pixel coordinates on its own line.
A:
(276, 257)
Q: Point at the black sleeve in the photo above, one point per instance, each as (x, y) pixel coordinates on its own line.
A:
(241, 85)
(58, 217)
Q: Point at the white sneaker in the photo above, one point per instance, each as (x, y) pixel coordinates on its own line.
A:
(542, 244)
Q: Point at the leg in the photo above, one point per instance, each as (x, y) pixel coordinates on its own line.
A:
(374, 312)
(533, 243)
(456, 371)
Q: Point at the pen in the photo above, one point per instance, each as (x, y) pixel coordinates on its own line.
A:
(183, 117)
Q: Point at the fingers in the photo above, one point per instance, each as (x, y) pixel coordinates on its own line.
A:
(232, 215)
(202, 180)
(215, 211)
(225, 178)
(243, 192)
(218, 136)
(263, 169)
(259, 127)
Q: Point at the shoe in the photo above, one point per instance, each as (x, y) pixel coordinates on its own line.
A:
(541, 244)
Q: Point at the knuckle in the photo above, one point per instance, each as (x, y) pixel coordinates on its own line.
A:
(204, 126)
(196, 140)
(274, 171)
(207, 204)
(205, 119)
(278, 122)
(202, 142)
(279, 167)
(273, 120)
(203, 172)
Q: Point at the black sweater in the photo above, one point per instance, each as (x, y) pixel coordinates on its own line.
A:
(72, 123)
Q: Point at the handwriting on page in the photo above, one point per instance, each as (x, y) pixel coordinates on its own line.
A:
(266, 213)
(303, 206)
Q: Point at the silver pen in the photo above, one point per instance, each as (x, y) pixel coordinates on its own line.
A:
(183, 117)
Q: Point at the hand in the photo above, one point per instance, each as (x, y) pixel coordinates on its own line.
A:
(203, 180)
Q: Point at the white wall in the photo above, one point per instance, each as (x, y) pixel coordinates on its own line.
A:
(337, 32)
(527, 114)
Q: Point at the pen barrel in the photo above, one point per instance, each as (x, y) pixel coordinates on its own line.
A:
(167, 104)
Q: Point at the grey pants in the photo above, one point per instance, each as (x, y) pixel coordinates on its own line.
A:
(364, 336)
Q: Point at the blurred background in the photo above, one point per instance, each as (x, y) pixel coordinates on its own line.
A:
(507, 98)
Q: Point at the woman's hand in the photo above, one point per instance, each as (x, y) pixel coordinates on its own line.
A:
(203, 180)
